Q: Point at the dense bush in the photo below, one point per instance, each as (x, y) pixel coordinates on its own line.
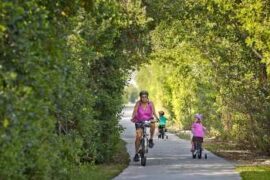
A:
(63, 68)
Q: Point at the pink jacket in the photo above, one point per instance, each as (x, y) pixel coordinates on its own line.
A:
(198, 130)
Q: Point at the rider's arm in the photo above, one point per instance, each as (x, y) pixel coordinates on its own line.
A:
(154, 111)
(135, 110)
(204, 129)
(193, 128)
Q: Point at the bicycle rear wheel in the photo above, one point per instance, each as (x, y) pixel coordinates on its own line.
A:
(199, 150)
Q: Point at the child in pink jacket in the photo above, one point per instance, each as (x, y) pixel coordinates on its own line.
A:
(198, 130)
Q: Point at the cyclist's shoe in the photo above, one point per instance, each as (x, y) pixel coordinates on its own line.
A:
(151, 143)
(136, 158)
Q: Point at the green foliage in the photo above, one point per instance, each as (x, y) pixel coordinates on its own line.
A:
(131, 94)
(63, 68)
(254, 172)
(211, 57)
(120, 161)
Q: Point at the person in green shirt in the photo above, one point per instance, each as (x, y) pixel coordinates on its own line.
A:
(162, 124)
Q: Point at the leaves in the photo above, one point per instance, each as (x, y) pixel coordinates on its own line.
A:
(63, 68)
(210, 57)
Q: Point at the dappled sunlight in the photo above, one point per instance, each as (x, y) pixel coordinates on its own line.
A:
(68, 68)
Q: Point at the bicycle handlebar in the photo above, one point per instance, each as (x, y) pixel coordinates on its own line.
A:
(148, 120)
(146, 123)
(143, 124)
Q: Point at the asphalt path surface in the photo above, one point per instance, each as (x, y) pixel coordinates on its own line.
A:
(171, 159)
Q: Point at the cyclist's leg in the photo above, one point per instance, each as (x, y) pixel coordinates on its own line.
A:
(159, 131)
(163, 129)
(139, 133)
(152, 130)
(137, 142)
(192, 144)
(201, 140)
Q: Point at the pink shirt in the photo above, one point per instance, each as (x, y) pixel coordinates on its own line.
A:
(197, 130)
(144, 114)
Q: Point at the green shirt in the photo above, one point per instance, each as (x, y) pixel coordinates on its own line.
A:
(162, 120)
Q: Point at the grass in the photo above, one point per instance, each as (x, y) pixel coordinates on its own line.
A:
(254, 172)
(97, 172)
(231, 151)
(184, 136)
(247, 171)
(103, 171)
(181, 134)
(226, 150)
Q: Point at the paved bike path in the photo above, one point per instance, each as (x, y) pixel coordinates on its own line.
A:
(171, 159)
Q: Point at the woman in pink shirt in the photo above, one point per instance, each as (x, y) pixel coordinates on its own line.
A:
(198, 130)
(144, 110)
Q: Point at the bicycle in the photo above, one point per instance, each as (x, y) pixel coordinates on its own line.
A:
(198, 150)
(162, 131)
(144, 142)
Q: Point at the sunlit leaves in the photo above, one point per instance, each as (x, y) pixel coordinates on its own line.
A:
(217, 56)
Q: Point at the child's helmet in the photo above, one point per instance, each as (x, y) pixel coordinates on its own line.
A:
(199, 116)
(161, 113)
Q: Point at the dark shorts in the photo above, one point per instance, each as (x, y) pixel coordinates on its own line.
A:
(161, 126)
(139, 125)
(197, 139)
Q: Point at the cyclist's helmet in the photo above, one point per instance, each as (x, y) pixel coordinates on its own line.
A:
(144, 93)
(198, 116)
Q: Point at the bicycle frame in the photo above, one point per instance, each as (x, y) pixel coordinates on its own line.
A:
(198, 147)
(144, 140)
(162, 132)
(197, 150)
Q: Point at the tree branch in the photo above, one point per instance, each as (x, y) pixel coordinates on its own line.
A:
(257, 53)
